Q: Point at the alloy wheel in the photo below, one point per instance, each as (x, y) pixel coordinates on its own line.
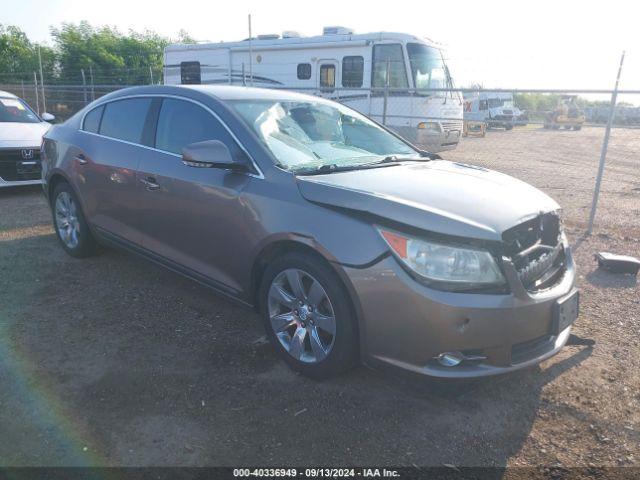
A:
(67, 222)
(301, 315)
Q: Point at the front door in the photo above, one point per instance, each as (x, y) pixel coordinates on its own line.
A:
(193, 217)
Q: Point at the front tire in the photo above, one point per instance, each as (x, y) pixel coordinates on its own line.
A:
(308, 316)
(70, 224)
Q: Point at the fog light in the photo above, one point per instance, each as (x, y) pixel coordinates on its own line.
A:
(450, 359)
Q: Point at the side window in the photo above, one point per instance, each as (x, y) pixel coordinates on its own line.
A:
(181, 123)
(352, 71)
(304, 71)
(327, 77)
(124, 119)
(92, 120)
(483, 105)
(190, 73)
(388, 56)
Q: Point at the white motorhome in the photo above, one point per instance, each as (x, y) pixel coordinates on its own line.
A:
(351, 68)
(496, 109)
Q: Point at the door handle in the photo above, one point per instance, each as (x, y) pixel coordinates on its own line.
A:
(150, 183)
(81, 159)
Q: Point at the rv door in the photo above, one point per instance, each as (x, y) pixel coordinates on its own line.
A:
(327, 74)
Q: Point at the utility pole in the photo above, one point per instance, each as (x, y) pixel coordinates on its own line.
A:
(250, 54)
(603, 152)
(44, 100)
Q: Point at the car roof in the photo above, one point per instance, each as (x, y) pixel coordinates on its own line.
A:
(218, 92)
(7, 94)
(236, 92)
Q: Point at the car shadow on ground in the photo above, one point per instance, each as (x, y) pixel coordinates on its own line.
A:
(602, 279)
(114, 361)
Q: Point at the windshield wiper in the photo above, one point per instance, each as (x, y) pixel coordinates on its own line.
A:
(334, 167)
(388, 161)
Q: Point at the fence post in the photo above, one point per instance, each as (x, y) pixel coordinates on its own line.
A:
(84, 86)
(35, 85)
(603, 152)
(151, 74)
(93, 92)
(386, 93)
(44, 100)
(22, 84)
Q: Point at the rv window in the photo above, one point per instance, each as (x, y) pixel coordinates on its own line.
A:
(327, 77)
(352, 71)
(304, 71)
(483, 105)
(190, 73)
(388, 55)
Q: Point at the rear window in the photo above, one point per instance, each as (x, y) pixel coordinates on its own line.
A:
(92, 120)
(124, 119)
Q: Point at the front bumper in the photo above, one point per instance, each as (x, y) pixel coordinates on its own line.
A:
(430, 140)
(406, 324)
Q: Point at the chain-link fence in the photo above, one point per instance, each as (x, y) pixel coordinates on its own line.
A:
(550, 139)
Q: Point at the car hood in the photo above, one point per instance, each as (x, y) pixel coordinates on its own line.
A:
(18, 135)
(437, 196)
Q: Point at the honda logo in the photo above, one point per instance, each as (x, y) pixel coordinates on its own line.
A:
(27, 154)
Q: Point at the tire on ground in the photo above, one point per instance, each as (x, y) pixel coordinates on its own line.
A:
(344, 352)
(87, 245)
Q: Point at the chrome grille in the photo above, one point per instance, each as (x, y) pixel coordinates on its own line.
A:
(452, 125)
(15, 167)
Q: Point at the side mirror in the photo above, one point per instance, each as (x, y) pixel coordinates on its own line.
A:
(47, 117)
(210, 154)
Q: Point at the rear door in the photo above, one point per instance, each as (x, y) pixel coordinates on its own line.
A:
(193, 217)
(104, 165)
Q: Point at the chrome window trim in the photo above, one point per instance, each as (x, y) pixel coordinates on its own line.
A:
(177, 97)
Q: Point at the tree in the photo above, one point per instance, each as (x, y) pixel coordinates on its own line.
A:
(113, 57)
(19, 56)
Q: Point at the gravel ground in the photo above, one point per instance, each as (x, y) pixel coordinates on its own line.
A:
(113, 361)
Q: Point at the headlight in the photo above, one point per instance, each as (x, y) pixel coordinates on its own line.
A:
(445, 266)
(431, 126)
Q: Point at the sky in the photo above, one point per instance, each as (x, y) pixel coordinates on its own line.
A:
(498, 44)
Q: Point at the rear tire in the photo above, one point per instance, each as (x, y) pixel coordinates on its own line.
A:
(308, 315)
(577, 127)
(70, 224)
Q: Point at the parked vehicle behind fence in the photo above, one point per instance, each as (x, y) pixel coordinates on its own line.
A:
(352, 244)
(21, 131)
(355, 69)
(495, 109)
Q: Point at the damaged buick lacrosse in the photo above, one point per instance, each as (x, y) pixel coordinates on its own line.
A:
(352, 244)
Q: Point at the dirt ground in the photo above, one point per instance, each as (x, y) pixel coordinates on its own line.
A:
(114, 361)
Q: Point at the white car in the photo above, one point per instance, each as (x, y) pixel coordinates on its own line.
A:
(21, 131)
